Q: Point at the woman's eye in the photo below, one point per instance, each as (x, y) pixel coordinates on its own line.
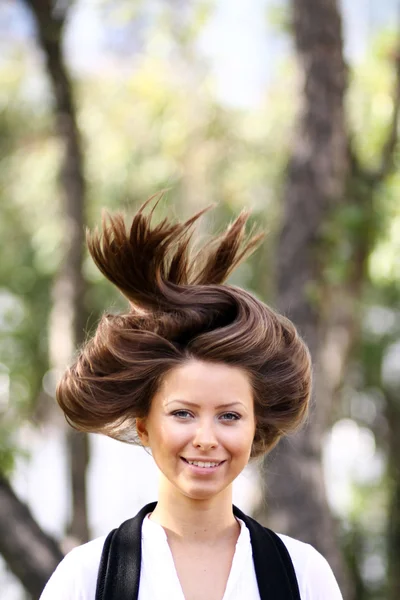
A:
(181, 414)
(230, 417)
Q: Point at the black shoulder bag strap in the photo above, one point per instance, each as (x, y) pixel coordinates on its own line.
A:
(119, 571)
(276, 577)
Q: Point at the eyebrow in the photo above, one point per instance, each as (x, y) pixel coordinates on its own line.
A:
(195, 405)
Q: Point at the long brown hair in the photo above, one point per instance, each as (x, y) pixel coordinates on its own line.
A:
(180, 309)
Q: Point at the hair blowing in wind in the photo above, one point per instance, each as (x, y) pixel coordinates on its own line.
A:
(180, 309)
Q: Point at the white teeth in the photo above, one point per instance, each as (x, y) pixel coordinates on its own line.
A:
(204, 465)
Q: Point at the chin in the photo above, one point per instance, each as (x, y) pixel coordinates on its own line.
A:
(201, 493)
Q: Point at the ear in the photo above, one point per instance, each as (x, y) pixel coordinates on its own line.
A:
(142, 431)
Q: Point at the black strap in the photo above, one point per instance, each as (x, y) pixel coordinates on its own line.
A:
(276, 577)
(119, 571)
(104, 566)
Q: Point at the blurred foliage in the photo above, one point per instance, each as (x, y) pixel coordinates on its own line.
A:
(373, 377)
(151, 126)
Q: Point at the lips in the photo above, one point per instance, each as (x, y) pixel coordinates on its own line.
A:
(203, 464)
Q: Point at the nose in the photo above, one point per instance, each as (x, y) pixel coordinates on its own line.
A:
(205, 438)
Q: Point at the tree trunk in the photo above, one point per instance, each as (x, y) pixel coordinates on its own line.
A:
(31, 554)
(393, 417)
(67, 320)
(315, 185)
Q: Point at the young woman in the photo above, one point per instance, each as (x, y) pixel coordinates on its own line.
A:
(205, 376)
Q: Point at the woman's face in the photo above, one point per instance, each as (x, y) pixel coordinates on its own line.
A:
(200, 427)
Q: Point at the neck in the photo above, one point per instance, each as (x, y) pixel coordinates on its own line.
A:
(191, 520)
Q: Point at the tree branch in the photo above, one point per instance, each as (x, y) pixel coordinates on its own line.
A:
(68, 315)
(30, 553)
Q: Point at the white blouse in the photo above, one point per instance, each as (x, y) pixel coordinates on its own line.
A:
(76, 576)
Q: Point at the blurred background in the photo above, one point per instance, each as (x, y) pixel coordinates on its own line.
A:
(288, 108)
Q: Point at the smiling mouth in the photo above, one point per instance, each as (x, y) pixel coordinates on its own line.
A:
(203, 464)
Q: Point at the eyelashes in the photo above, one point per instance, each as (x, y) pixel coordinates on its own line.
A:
(182, 414)
(186, 415)
(232, 416)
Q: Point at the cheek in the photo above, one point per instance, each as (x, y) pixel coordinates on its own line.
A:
(169, 437)
(240, 442)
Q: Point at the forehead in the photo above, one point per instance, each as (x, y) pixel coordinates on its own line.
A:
(200, 381)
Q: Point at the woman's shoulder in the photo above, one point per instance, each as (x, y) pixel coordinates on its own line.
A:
(76, 575)
(314, 575)
(89, 552)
